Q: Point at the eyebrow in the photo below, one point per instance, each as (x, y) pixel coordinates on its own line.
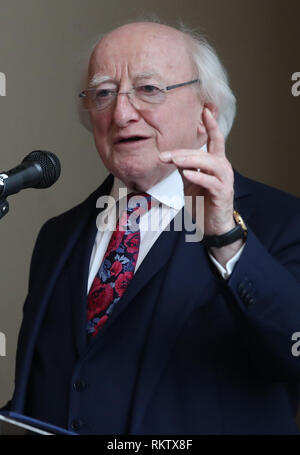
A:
(98, 78)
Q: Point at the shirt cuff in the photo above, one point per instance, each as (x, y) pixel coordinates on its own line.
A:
(229, 265)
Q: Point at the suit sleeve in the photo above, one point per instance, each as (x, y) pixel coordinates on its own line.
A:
(264, 293)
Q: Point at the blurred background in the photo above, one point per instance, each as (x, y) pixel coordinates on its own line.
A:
(43, 49)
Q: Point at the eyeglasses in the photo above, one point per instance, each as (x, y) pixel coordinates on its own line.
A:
(101, 98)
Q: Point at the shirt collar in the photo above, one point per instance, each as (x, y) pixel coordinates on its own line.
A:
(168, 191)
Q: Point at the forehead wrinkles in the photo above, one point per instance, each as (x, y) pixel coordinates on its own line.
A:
(160, 54)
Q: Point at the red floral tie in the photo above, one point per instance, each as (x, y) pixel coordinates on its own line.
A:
(117, 268)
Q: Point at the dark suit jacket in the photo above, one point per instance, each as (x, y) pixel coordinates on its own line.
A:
(184, 352)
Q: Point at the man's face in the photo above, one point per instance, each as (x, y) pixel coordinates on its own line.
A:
(144, 54)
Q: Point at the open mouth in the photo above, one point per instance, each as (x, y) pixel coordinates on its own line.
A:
(131, 139)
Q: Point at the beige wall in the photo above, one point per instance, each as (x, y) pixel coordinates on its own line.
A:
(42, 44)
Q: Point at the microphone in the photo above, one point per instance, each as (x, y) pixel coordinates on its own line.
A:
(39, 169)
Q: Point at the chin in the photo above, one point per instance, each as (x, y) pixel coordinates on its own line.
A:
(133, 179)
(136, 179)
(133, 169)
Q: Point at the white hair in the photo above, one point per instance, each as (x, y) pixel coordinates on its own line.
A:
(214, 84)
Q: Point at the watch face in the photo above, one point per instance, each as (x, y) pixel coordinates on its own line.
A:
(239, 220)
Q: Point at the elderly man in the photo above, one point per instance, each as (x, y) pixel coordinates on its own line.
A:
(143, 332)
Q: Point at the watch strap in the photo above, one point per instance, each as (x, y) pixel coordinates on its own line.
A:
(238, 232)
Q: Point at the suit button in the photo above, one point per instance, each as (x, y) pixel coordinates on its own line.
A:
(76, 424)
(251, 301)
(243, 293)
(241, 288)
(246, 297)
(79, 385)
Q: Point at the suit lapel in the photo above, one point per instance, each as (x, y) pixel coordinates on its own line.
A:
(78, 273)
(67, 235)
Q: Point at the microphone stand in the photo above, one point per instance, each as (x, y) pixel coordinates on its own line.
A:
(4, 208)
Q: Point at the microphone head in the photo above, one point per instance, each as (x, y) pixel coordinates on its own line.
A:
(49, 164)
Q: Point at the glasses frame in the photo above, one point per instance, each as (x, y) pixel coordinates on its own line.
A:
(83, 94)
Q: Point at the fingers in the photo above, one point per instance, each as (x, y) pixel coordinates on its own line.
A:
(205, 163)
(215, 141)
(195, 159)
(209, 182)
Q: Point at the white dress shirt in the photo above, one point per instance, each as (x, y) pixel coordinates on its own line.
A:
(167, 201)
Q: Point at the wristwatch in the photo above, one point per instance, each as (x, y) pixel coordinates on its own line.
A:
(238, 232)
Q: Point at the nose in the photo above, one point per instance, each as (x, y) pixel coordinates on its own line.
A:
(124, 111)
